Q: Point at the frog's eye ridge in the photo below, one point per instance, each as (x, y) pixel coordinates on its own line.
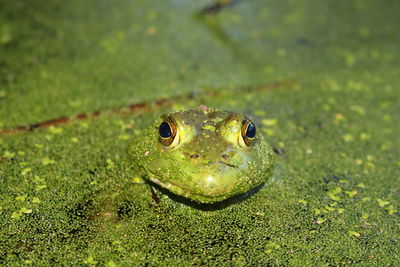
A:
(248, 133)
(168, 133)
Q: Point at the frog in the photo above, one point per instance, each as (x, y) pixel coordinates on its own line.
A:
(204, 154)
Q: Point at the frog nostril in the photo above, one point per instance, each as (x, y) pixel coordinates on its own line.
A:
(194, 156)
(225, 156)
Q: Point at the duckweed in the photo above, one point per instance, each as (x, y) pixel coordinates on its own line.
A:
(69, 195)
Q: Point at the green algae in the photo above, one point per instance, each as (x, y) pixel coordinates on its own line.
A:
(68, 193)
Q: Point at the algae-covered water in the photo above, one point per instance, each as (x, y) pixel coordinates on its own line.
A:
(330, 107)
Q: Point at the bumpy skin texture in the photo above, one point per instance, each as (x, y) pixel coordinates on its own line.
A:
(208, 163)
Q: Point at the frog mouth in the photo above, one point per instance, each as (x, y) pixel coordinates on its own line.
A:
(187, 192)
(171, 186)
(227, 164)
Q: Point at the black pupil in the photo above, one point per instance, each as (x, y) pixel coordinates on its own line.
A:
(251, 131)
(165, 130)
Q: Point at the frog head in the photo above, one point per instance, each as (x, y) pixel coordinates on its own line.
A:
(203, 154)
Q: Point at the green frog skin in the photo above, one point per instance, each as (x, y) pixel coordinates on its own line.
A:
(204, 154)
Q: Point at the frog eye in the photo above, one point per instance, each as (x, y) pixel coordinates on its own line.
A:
(248, 133)
(168, 133)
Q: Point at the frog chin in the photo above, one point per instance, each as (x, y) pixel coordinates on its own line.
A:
(203, 193)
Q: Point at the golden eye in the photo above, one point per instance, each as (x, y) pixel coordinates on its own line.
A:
(248, 133)
(168, 133)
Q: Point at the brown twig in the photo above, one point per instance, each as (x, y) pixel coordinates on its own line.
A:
(217, 6)
(141, 107)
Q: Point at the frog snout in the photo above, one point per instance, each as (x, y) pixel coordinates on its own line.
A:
(223, 156)
(224, 159)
